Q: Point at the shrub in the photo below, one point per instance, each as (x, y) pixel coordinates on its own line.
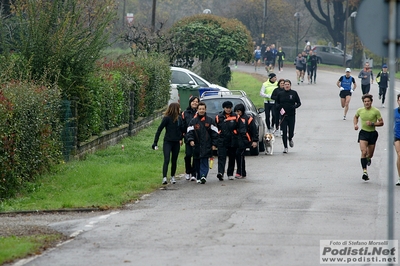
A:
(29, 133)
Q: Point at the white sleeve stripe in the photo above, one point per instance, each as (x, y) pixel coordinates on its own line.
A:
(190, 128)
(214, 128)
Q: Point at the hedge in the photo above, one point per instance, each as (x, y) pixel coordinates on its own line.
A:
(30, 133)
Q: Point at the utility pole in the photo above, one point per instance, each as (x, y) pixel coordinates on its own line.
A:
(153, 17)
(345, 34)
(123, 13)
(264, 20)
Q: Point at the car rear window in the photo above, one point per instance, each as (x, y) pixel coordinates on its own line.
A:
(214, 105)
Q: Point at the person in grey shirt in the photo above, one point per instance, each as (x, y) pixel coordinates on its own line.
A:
(299, 61)
(367, 77)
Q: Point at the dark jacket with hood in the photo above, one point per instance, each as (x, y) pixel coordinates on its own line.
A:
(203, 131)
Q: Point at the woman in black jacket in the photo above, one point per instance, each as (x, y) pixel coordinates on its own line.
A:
(287, 102)
(187, 116)
(274, 95)
(172, 122)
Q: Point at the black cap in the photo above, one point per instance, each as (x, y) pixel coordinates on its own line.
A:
(271, 75)
(227, 104)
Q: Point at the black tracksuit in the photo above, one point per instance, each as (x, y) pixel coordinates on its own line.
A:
(227, 142)
(247, 134)
(203, 131)
(289, 100)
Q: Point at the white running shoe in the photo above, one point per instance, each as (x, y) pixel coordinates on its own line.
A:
(231, 177)
(193, 178)
(187, 177)
(164, 181)
(173, 180)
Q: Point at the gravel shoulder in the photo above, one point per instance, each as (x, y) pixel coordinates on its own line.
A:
(37, 223)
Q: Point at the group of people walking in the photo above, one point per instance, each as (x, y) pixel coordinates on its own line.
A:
(230, 133)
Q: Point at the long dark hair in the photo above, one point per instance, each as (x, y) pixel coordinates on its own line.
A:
(173, 111)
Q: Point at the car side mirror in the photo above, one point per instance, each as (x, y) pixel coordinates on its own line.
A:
(191, 82)
(261, 110)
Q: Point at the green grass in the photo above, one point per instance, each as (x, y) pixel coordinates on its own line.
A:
(251, 84)
(105, 179)
(12, 248)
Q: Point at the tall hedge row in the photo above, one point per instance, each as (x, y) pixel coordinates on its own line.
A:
(104, 102)
(29, 133)
(32, 117)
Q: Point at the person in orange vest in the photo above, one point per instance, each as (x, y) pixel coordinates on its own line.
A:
(247, 137)
(226, 122)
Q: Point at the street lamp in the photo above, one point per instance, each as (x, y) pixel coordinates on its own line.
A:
(297, 15)
(353, 18)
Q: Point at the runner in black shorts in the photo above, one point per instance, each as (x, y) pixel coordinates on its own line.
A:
(370, 118)
(345, 84)
(344, 93)
(369, 137)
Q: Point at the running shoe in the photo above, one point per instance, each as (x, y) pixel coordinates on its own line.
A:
(238, 176)
(164, 181)
(230, 177)
(344, 117)
(193, 178)
(365, 176)
(285, 150)
(398, 183)
(203, 180)
(198, 181)
(173, 181)
(187, 177)
(291, 143)
(220, 177)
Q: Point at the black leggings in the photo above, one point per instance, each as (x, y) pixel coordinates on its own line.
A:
(382, 91)
(270, 109)
(189, 164)
(171, 152)
(280, 64)
(288, 123)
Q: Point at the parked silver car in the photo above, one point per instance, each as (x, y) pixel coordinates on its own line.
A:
(331, 55)
(182, 76)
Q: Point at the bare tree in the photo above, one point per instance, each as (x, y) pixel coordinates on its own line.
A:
(332, 15)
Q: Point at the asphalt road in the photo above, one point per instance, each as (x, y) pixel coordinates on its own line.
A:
(276, 216)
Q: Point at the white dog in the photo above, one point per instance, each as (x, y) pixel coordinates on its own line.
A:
(269, 140)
